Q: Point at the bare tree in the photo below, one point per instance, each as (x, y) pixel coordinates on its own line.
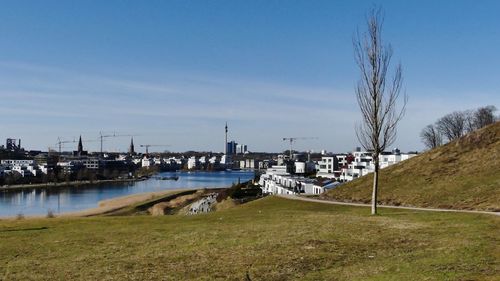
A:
(469, 121)
(453, 125)
(431, 137)
(484, 116)
(376, 93)
(456, 124)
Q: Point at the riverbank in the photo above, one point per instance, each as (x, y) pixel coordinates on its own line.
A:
(115, 204)
(109, 205)
(50, 185)
(59, 199)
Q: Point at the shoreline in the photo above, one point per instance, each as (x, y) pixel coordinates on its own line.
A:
(111, 204)
(117, 203)
(52, 185)
(103, 206)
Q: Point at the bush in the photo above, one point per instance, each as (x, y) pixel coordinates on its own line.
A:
(50, 214)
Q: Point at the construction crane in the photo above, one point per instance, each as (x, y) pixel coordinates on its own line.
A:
(114, 135)
(147, 146)
(60, 142)
(293, 139)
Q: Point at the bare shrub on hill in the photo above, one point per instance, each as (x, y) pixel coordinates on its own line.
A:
(455, 125)
(431, 137)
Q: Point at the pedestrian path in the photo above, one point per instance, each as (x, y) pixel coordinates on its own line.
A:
(295, 197)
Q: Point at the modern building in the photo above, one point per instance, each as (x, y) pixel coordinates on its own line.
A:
(277, 181)
(328, 165)
(231, 148)
(362, 163)
(241, 149)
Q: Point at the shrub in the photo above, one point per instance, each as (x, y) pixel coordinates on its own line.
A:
(50, 214)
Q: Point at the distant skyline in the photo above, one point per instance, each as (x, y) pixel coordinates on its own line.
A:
(174, 72)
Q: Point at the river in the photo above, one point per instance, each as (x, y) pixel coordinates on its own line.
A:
(39, 202)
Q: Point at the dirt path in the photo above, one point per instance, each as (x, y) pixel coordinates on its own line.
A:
(295, 197)
(114, 204)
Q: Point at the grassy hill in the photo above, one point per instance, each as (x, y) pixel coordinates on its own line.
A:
(267, 239)
(463, 174)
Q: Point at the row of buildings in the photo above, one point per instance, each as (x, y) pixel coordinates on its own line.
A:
(289, 177)
(26, 164)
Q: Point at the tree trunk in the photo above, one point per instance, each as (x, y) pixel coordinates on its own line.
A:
(375, 186)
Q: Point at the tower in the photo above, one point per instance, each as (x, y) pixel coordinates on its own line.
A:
(225, 142)
(131, 149)
(80, 146)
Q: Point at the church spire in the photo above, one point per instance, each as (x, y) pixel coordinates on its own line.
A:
(131, 149)
(80, 146)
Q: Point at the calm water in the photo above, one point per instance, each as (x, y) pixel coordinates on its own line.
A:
(39, 202)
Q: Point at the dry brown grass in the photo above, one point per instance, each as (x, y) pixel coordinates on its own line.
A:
(225, 204)
(114, 204)
(464, 174)
(175, 204)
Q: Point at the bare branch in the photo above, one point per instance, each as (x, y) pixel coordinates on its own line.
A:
(431, 137)
(377, 93)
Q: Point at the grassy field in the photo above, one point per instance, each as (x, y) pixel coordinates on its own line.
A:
(267, 239)
(464, 174)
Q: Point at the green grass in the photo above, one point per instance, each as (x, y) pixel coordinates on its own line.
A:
(267, 239)
(464, 174)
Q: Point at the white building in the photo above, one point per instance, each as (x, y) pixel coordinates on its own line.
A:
(327, 166)
(226, 160)
(91, 163)
(277, 181)
(241, 149)
(213, 160)
(147, 162)
(44, 169)
(69, 167)
(192, 163)
(17, 162)
(27, 168)
(158, 161)
(300, 167)
(202, 160)
(25, 171)
(249, 164)
(363, 163)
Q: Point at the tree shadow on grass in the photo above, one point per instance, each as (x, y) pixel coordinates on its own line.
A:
(403, 213)
(25, 229)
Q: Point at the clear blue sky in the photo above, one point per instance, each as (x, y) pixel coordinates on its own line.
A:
(175, 71)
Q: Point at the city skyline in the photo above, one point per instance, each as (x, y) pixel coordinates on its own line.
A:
(175, 72)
